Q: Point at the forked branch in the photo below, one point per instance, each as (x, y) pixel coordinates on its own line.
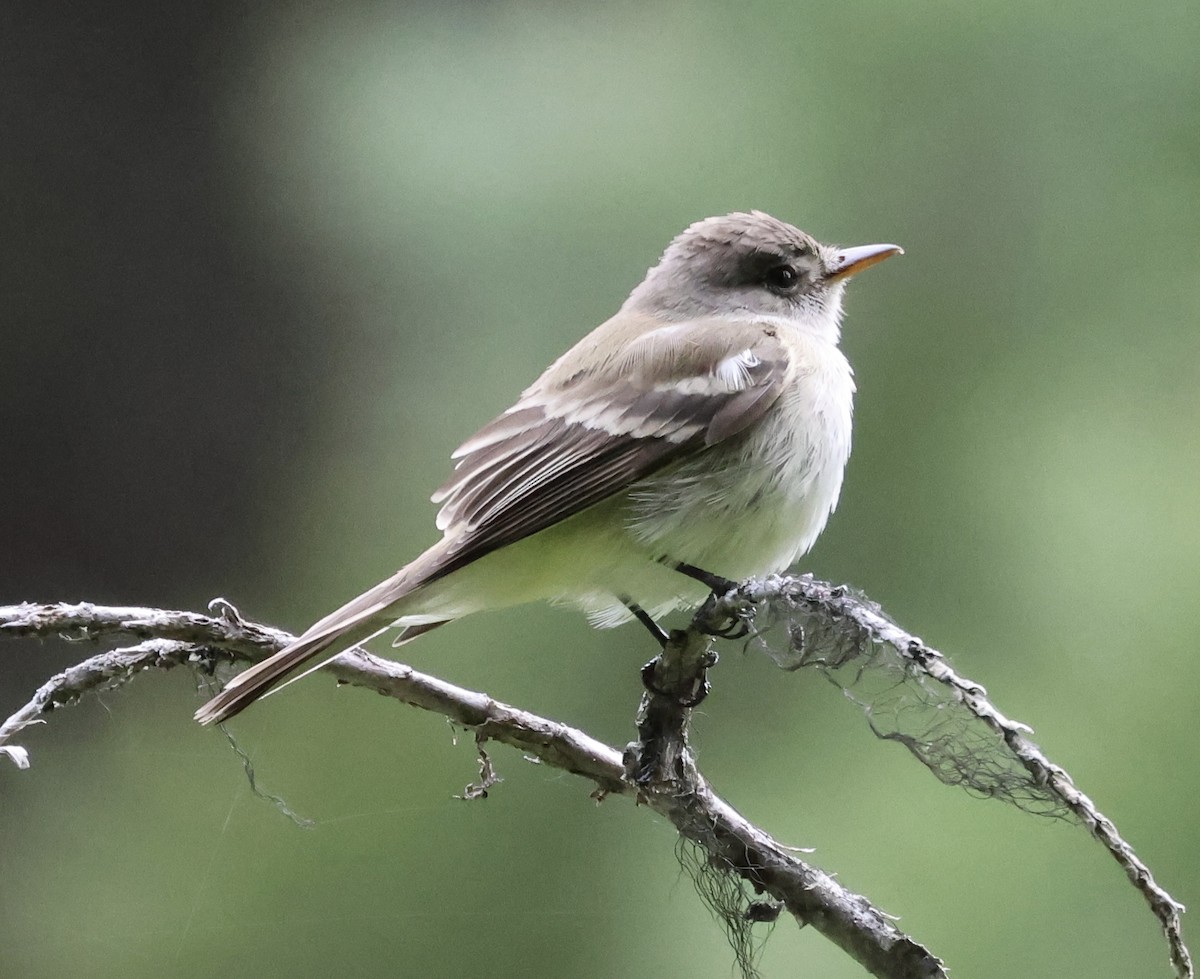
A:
(842, 634)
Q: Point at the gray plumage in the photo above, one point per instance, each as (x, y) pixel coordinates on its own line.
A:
(708, 423)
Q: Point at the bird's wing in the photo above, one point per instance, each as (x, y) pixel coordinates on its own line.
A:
(574, 440)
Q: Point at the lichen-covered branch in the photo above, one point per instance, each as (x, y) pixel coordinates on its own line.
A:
(661, 764)
(205, 641)
(809, 894)
(849, 638)
(906, 689)
(95, 673)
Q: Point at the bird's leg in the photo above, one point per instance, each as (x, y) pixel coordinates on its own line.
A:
(714, 582)
(660, 635)
(720, 587)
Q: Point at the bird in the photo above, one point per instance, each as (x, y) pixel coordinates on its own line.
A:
(697, 438)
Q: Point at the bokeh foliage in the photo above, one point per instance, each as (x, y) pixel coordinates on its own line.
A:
(265, 266)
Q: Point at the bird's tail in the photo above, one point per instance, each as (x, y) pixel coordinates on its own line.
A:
(245, 688)
(360, 619)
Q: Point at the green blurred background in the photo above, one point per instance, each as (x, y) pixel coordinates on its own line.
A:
(263, 267)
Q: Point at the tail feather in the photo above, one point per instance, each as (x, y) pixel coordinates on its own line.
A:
(245, 688)
(256, 682)
(355, 621)
(330, 635)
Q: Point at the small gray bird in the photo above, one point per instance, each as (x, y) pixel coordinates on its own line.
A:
(698, 436)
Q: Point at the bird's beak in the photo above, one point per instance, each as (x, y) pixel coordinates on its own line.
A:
(850, 261)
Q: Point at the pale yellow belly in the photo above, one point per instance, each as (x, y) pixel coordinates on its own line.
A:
(748, 506)
(720, 512)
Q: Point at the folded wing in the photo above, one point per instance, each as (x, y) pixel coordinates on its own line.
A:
(570, 442)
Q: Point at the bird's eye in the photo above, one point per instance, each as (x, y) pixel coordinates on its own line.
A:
(782, 279)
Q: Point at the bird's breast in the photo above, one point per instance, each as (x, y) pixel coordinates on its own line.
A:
(756, 502)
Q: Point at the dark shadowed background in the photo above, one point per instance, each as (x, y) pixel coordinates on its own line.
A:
(261, 268)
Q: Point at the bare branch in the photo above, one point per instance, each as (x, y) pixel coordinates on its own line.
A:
(843, 634)
(100, 672)
(188, 637)
(88, 621)
(663, 767)
(831, 626)
(809, 894)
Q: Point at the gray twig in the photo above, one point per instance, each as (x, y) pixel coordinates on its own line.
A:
(811, 895)
(658, 768)
(854, 626)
